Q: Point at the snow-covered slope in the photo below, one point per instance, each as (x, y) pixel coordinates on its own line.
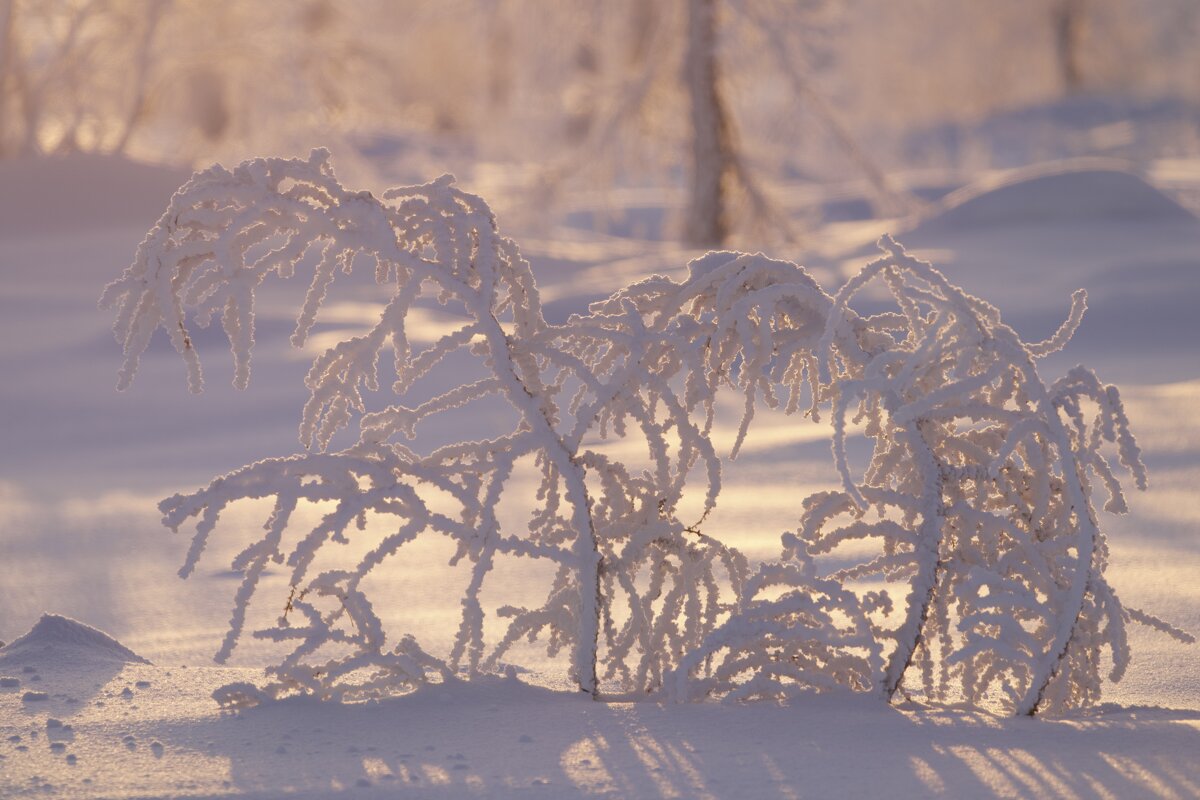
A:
(1053, 195)
(82, 191)
(82, 468)
(1026, 240)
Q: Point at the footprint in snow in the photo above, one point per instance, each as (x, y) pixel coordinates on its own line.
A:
(65, 733)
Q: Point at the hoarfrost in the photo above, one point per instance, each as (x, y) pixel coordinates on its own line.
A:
(977, 491)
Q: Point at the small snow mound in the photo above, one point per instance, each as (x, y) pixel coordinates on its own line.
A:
(1064, 193)
(63, 638)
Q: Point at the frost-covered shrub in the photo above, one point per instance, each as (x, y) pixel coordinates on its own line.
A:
(227, 231)
(978, 487)
(742, 321)
(979, 492)
(435, 237)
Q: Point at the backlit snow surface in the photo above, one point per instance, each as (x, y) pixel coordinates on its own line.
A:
(119, 703)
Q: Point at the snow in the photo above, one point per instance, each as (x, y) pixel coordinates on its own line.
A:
(83, 469)
(58, 641)
(1054, 194)
(505, 739)
(85, 191)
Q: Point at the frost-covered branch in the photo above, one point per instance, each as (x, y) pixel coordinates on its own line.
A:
(976, 493)
(227, 231)
(979, 488)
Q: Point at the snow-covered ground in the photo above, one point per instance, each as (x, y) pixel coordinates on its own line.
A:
(83, 467)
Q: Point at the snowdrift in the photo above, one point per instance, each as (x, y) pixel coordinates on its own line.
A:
(1051, 195)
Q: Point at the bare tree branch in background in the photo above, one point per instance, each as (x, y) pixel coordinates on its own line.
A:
(892, 199)
(137, 108)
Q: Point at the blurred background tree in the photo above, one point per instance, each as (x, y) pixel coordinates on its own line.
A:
(731, 110)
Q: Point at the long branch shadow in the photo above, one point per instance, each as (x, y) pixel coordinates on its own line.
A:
(503, 739)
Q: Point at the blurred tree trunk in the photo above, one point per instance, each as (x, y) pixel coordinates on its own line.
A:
(707, 222)
(6, 60)
(500, 57)
(1068, 33)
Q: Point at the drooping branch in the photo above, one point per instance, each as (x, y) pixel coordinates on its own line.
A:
(977, 487)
